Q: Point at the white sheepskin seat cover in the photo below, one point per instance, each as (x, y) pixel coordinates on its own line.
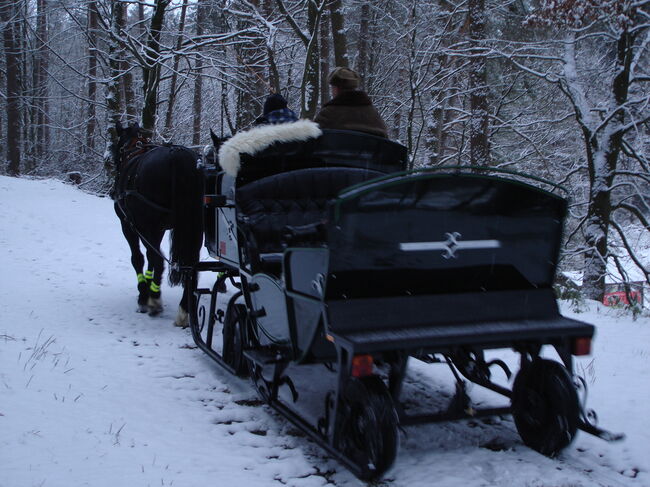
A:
(259, 138)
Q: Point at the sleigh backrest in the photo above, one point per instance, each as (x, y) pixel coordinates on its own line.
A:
(444, 248)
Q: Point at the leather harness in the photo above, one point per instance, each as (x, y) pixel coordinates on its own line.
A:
(125, 187)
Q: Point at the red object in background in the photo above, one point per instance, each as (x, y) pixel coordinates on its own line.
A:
(222, 247)
(620, 297)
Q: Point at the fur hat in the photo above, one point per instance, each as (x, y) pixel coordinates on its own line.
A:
(344, 78)
(274, 102)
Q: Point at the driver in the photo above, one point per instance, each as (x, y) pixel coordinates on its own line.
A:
(349, 108)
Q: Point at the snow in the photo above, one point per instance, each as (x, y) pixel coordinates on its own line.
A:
(94, 394)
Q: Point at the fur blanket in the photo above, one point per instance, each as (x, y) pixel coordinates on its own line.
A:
(259, 138)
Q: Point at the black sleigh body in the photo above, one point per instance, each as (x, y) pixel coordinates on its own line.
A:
(347, 267)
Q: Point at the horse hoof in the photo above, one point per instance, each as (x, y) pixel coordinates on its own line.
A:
(155, 306)
(155, 311)
(182, 318)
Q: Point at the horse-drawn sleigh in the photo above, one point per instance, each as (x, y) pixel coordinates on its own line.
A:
(348, 266)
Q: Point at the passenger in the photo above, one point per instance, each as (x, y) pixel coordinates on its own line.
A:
(349, 108)
(276, 111)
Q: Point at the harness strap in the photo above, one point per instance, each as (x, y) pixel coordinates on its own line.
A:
(138, 146)
(144, 199)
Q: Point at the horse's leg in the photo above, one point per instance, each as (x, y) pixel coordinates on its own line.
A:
(182, 316)
(148, 274)
(137, 261)
(156, 262)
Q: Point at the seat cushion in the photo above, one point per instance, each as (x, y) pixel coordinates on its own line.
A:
(294, 198)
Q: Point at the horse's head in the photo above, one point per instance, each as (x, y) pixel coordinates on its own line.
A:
(128, 139)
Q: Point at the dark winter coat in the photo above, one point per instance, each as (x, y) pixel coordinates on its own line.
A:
(351, 110)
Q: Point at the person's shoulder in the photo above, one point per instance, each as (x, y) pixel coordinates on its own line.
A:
(325, 113)
(284, 115)
(350, 98)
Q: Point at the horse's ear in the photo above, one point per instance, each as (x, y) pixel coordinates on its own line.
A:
(216, 141)
(135, 126)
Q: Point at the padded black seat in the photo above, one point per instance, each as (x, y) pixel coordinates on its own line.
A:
(334, 148)
(358, 149)
(296, 198)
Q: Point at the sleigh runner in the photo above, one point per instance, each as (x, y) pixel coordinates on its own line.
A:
(345, 260)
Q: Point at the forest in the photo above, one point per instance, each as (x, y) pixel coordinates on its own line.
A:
(555, 88)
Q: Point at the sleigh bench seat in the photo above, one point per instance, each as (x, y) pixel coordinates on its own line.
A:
(270, 207)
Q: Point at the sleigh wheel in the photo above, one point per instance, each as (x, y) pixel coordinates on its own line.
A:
(368, 426)
(545, 406)
(234, 338)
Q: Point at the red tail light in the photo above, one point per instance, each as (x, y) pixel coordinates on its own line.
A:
(581, 346)
(362, 365)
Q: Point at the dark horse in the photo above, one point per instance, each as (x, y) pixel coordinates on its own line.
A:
(158, 188)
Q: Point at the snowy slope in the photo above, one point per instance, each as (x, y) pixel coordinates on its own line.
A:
(94, 394)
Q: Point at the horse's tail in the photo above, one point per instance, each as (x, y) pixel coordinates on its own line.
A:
(187, 213)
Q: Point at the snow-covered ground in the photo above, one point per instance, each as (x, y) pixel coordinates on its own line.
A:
(94, 394)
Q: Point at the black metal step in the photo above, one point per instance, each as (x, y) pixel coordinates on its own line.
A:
(261, 356)
(201, 291)
(211, 265)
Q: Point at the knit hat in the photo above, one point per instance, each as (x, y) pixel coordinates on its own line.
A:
(274, 102)
(344, 78)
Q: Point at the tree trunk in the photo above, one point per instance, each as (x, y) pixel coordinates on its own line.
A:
(339, 36)
(151, 72)
(28, 123)
(171, 99)
(603, 150)
(273, 71)
(324, 59)
(364, 31)
(93, 24)
(197, 101)
(479, 115)
(113, 92)
(128, 93)
(596, 236)
(309, 88)
(126, 81)
(141, 29)
(9, 14)
(41, 62)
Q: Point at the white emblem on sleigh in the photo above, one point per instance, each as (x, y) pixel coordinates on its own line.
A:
(450, 246)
